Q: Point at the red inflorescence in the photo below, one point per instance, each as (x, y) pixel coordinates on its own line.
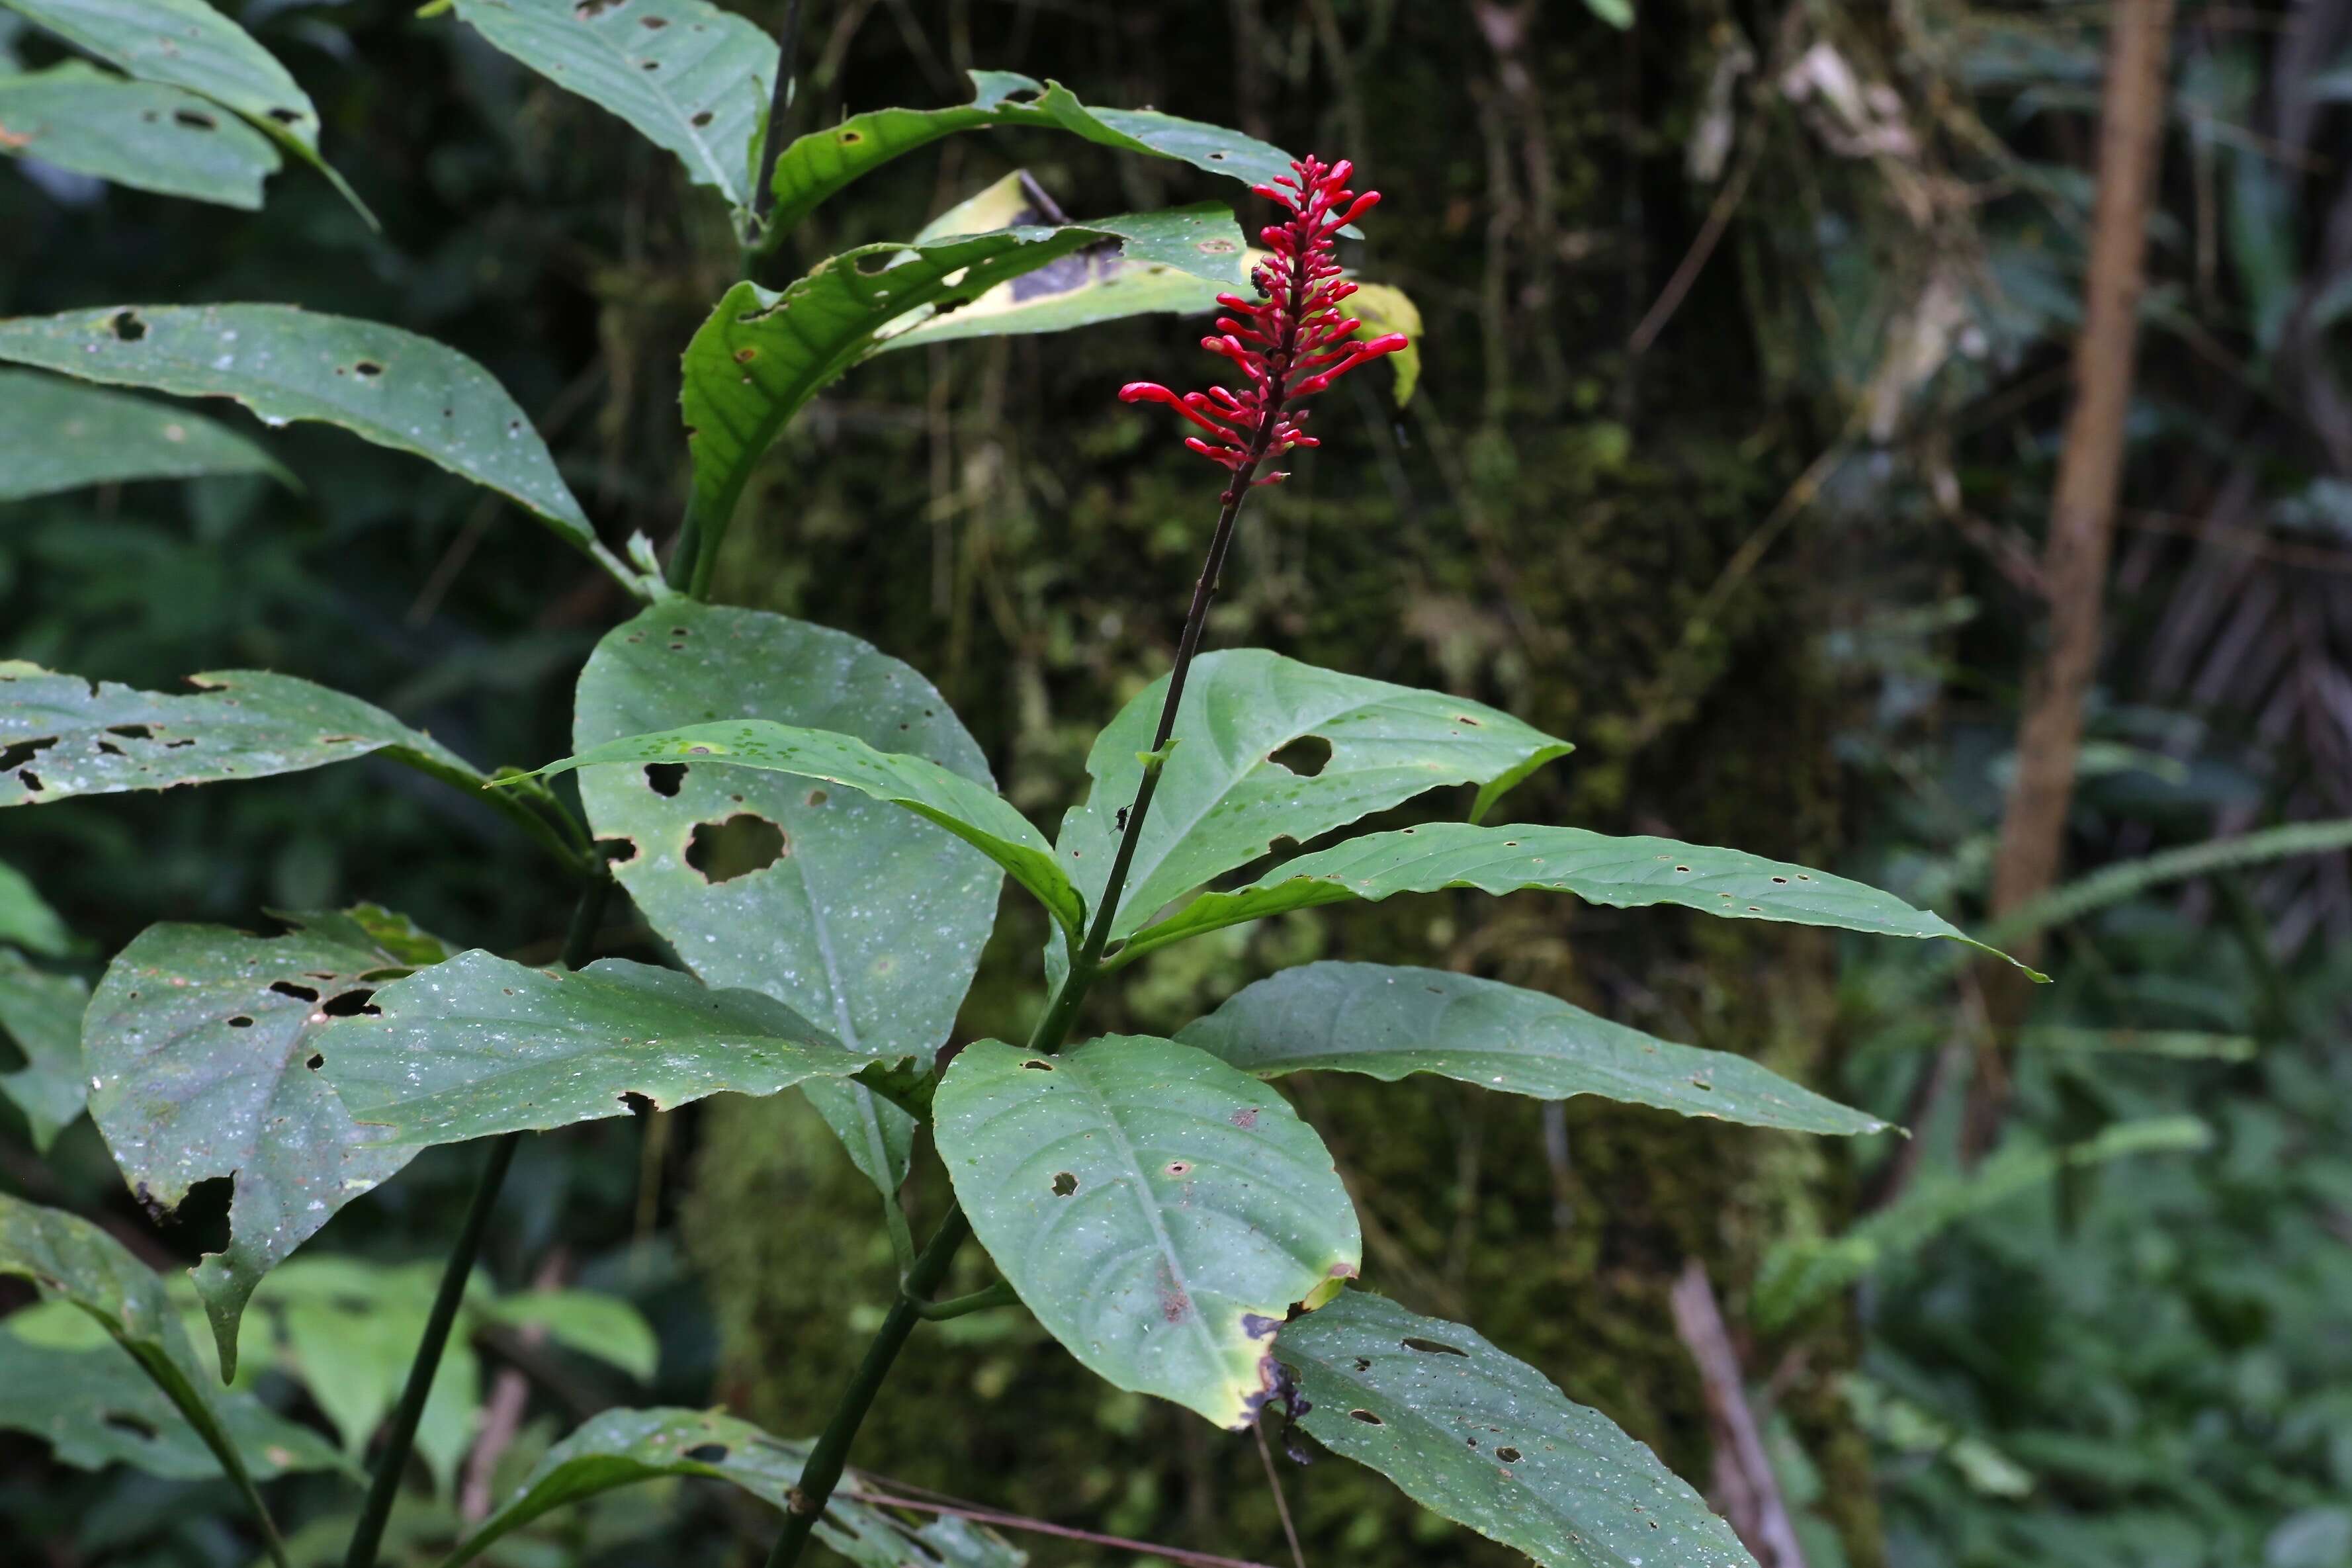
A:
(1292, 340)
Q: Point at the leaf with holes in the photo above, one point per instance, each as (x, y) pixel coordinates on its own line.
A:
(1388, 1021)
(1158, 1211)
(64, 436)
(380, 384)
(189, 44)
(62, 736)
(973, 812)
(1268, 747)
(479, 1046)
(42, 1014)
(763, 355)
(95, 1407)
(71, 1260)
(623, 1447)
(1627, 873)
(203, 1046)
(137, 133)
(772, 883)
(692, 79)
(1485, 1439)
(25, 918)
(813, 168)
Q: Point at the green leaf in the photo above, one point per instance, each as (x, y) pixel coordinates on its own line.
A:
(479, 1046)
(1157, 1211)
(1797, 1274)
(142, 134)
(1383, 308)
(1388, 1021)
(383, 385)
(72, 1260)
(692, 78)
(1224, 797)
(350, 1329)
(763, 355)
(1081, 290)
(621, 1446)
(42, 1013)
(202, 1045)
(817, 928)
(96, 1407)
(188, 44)
(972, 811)
(25, 918)
(588, 1321)
(813, 168)
(1626, 873)
(1618, 14)
(61, 735)
(63, 435)
(1485, 1439)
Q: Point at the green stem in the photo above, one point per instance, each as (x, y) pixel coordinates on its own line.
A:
(400, 1437)
(823, 1471)
(207, 1424)
(999, 1294)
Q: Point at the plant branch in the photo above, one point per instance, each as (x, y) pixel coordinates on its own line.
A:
(400, 1438)
(999, 1294)
(772, 144)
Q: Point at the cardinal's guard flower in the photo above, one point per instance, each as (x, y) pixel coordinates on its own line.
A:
(1291, 342)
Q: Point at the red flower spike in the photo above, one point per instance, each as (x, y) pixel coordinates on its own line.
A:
(1291, 342)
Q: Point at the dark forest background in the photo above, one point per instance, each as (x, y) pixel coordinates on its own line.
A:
(1746, 357)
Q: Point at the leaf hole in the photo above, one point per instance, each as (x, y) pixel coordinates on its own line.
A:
(131, 732)
(240, 1022)
(1305, 756)
(746, 354)
(127, 327)
(641, 1105)
(1508, 1455)
(654, 23)
(368, 367)
(818, 797)
(353, 1005)
(195, 120)
(701, 119)
(1034, 1065)
(286, 116)
(1064, 1183)
(1363, 1363)
(873, 265)
(123, 1422)
(1367, 1418)
(1783, 880)
(1432, 1347)
(649, 64)
(1683, 868)
(664, 778)
(744, 842)
(707, 1453)
(317, 1061)
(617, 851)
(299, 993)
(1179, 1167)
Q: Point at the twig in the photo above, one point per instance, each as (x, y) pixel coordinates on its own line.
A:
(1751, 1494)
(1710, 233)
(1043, 1527)
(1281, 1503)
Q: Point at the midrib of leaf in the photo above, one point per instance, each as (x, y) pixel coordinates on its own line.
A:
(1167, 1244)
(833, 981)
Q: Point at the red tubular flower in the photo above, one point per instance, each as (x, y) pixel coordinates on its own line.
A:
(1288, 344)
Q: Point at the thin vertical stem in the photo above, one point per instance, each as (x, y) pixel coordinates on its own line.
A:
(400, 1437)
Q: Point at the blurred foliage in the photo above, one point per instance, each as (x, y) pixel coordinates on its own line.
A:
(1772, 572)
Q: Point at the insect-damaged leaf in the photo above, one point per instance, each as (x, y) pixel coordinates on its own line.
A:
(203, 1045)
(813, 168)
(137, 133)
(61, 735)
(763, 355)
(621, 1446)
(972, 811)
(1389, 1020)
(818, 925)
(62, 435)
(95, 1407)
(1487, 1440)
(70, 1259)
(479, 1046)
(189, 44)
(42, 1014)
(1626, 872)
(383, 385)
(692, 78)
(1268, 747)
(1158, 1211)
